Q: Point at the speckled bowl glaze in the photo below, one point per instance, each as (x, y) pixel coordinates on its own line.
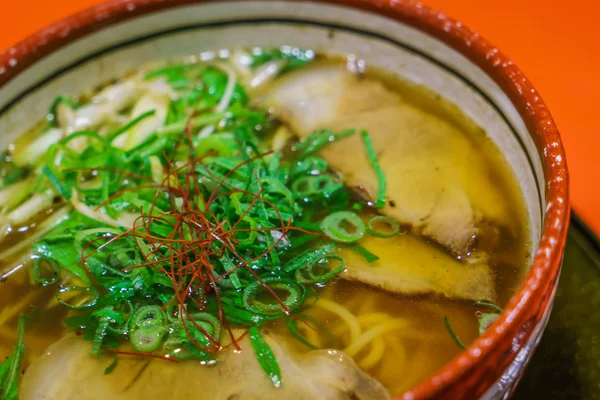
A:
(402, 36)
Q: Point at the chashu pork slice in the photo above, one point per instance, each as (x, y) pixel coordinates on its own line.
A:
(437, 179)
(67, 372)
(408, 265)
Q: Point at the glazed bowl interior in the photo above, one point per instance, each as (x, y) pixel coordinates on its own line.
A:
(205, 29)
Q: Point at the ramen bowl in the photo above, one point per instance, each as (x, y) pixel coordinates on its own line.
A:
(402, 37)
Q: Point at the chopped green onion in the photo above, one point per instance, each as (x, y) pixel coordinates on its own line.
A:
(317, 140)
(320, 271)
(343, 226)
(366, 254)
(147, 340)
(99, 335)
(51, 117)
(219, 209)
(87, 291)
(486, 320)
(229, 267)
(309, 256)
(257, 289)
(148, 316)
(218, 145)
(488, 304)
(178, 343)
(393, 227)
(111, 367)
(265, 356)
(321, 185)
(247, 225)
(214, 325)
(10, 368)
(147, 328)
(292, 325)
(51, 272)
(64, 192)
(453, 334)
(309, 165)
(112, 136)
(87, 134)
(372, 156)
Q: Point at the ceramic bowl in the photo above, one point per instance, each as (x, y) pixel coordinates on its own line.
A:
(401, 36)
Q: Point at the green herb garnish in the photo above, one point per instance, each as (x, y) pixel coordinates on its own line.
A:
(454, 336)
(196, 229)
(10, 369)
(381, 181)
(265, 357)
(487, 319)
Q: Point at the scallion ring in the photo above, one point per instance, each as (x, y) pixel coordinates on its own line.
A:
(148, 316)
(255, 290)
(125, 309)
(486, 320)
(179, 346)
(321, 185)
(392, 226)
(327, 271)
(246, 231)
(209, 319)
(90, 291)
(45, 271)
(147, 340)
(178, 343)
(221, 144)
(343, 226)
(147, 328)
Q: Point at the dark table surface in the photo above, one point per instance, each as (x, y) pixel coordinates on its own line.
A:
(566, 365)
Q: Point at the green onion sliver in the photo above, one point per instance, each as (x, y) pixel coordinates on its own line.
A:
(453, 334)
(10, 369)
(147, 328)
(51, 117)
(343, 226)
(214, 326)
(321, 185)
(366, 254)
(148, 316)
(257, 289)
(320, 271)
(87, 291)
(99, 335)
(113, 135)
(486, 320)
(393, 227)
(292, 325)
(372, 156)
(309, 256)
(178, 344)
(111, 367)
(266, 357)
(147, 340)
(45, 271)
(488, 304)
(62, 189)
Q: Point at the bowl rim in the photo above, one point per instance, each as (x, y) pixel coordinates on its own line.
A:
(540, 282)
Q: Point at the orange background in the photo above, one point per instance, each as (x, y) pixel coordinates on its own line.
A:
(554, 42)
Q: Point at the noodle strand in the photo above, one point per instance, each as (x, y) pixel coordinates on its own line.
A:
(345, 315)
(356, 345)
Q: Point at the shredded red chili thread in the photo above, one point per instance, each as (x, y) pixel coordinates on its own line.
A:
(193, 279)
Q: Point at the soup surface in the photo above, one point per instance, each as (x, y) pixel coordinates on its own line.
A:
(278, 203)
